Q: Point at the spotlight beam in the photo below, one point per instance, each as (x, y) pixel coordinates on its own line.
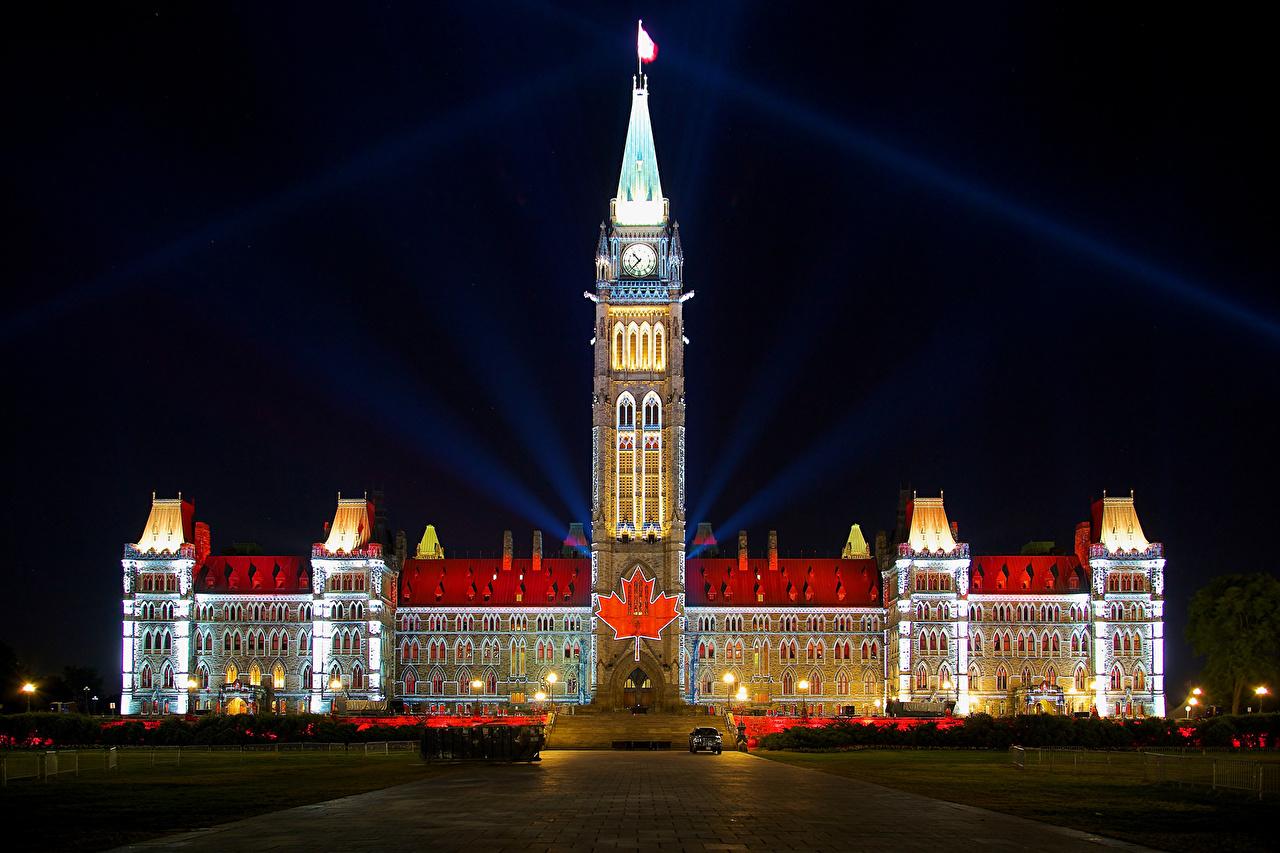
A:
(378, 159)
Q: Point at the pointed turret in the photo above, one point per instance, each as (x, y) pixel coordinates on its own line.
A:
(430, 548)
(639, 200)
(855, 548)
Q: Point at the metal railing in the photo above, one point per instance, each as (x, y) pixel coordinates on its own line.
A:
(1195, 769)
(49, 764)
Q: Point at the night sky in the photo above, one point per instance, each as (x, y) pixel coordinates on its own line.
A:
(1021, 254)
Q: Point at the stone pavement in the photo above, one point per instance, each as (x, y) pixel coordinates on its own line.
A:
(634, 801)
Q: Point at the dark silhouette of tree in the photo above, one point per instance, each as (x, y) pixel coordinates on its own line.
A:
(1235, 624)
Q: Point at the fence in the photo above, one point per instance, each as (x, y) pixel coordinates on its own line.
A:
(50, 764)
(1260, 778)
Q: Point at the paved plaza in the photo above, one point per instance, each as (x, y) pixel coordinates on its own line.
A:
(634, 801)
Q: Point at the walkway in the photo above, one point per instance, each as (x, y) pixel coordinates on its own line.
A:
(634, 801)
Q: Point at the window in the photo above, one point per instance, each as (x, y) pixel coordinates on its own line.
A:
(625, 497)
(1002, 678)
(788, 683)
(842, 683)
(144, 678)
(232, 673)
(277, 676)
(922, 678)
(1117, 677)
(357, 677)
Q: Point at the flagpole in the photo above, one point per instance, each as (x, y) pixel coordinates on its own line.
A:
(639, 62)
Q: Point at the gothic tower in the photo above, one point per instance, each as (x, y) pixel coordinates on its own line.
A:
(637, 488)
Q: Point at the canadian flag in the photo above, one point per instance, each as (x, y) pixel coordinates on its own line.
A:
(646, 48)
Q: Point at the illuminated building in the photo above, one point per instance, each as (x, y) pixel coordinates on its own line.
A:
(364, 622)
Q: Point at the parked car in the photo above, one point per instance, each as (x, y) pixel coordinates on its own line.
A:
(705, 737)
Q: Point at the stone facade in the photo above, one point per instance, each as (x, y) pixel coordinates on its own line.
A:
(362, 625)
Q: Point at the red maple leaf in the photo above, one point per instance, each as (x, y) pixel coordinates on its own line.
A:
(638, 613)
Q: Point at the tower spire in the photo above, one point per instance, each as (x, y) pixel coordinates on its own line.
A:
(639, 200)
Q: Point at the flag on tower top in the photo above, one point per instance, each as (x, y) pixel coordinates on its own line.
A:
(646, 47)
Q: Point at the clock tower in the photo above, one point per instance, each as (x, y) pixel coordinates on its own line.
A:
(638, 412)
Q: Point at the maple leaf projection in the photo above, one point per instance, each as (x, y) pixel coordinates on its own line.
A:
(639, 613)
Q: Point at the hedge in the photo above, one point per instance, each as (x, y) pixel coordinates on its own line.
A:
(982, 731)
(78, 730)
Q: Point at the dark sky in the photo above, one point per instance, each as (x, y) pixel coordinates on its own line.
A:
(1021, 254)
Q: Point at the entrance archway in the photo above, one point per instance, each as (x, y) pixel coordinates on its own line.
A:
(236, 706)
(638, 690)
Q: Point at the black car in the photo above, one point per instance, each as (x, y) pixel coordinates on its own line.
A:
(705, 737)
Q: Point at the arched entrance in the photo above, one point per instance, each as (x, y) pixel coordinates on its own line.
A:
(236, 706)
(638, 690)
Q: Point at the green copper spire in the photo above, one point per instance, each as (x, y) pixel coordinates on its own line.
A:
(640, 200)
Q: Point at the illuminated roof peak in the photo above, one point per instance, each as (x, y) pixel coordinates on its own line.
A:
(856, 546)
(429, 548)
(168, 526)
(352, 525)
(1120, 529)
(930, 529)
(639, 200)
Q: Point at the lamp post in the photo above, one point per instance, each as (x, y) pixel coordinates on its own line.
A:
(803, 687)
(876, 704)
(29, 689)
(1261, 692)
(1191, 703)
(551, 679)
(729, 679)
(335, 684)
(192, 684)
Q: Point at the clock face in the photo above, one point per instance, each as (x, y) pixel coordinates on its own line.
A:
(639, 260)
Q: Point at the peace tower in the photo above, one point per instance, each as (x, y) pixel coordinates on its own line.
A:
(638, 405)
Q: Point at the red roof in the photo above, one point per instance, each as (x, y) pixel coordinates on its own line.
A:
(1022, 574)
(466, 582)
(254, 575)
(797, 582)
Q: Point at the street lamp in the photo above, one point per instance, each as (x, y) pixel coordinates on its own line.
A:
(335, 684)
(803, 687)
(1261, 692)
(1196, 691)
(876, 704)
(1191, 703)
(28, 689)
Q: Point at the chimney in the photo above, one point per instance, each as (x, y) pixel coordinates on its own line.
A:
(507, 550)
(402, 547)
(955, 530)
(773, 550)
(1084, 533)
(203, 543)
(742, 550)
(537, 550)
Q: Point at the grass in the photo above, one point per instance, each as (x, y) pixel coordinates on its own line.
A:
(1107, 800)
(98, 810)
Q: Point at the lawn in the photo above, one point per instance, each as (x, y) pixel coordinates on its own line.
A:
(1111, 801)
(100, 809)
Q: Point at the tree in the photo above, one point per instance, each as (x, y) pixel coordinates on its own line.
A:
(1235, 624)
